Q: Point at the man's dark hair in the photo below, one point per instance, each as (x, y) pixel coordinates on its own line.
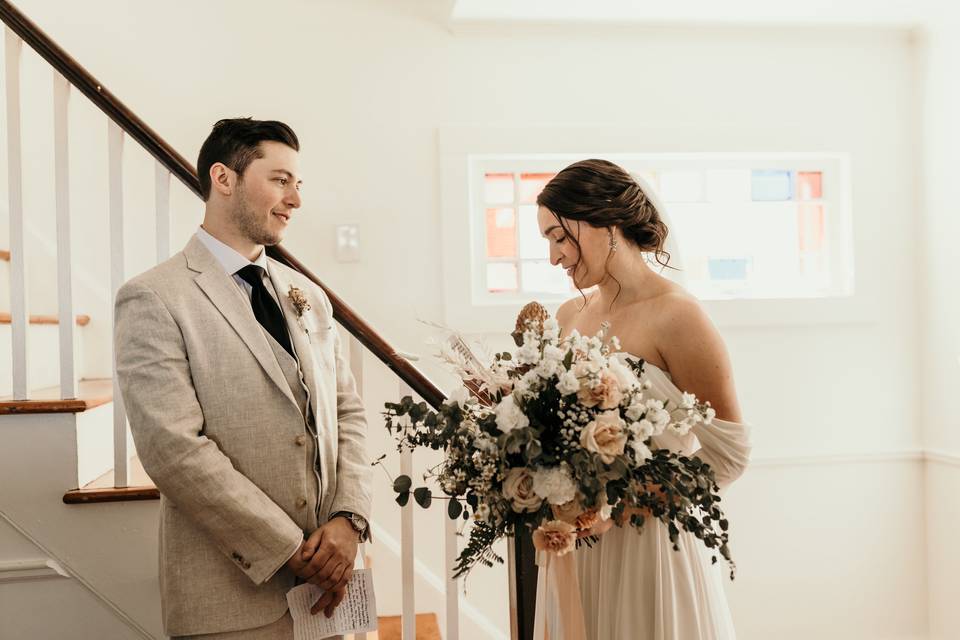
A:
(236, 143)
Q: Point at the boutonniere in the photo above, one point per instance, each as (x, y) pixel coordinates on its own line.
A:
(301, 305)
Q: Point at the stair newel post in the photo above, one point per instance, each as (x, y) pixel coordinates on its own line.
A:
(18, 264)
(117, 277)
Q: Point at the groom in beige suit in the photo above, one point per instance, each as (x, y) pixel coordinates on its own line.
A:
(242, 407)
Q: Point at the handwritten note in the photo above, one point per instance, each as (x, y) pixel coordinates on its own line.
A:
(356, 614)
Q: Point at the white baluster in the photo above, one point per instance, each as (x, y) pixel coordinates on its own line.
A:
(61, 154)
(450, 553)
(18, 262)
(115, 156)
(409, 617)
(356, 367)
(162, 192)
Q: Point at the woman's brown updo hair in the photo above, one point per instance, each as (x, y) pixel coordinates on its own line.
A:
(602, 194)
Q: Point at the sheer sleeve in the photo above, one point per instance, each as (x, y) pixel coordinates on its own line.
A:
(725, 446)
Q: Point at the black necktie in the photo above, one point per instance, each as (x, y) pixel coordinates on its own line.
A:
(265, 308)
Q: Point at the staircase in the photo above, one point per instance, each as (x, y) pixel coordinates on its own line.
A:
(78, 534)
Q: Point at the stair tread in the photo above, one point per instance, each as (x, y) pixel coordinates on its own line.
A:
(90, 394)
(6, 318)
(390, 627)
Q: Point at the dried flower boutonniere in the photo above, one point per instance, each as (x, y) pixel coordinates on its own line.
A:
(301, 305)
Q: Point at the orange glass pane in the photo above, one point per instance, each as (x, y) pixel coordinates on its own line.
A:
(809, 185)
(810, 223)
(531, 184)
(501, 233)
(498, 188)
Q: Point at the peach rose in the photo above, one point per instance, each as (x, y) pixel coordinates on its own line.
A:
(568, 511)
(518, 487)
(555, 536)
(588, 519)
(605, 435)
(605, 392)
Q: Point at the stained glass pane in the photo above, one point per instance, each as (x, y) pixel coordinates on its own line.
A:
(728, 268)
(769, 185)
(542, 277)
(681, 186)
(531, 184)
(810, 224)
(498, 188)
(501, 233)
(728, 185)
(501, 277)
(532, 244)
(809, 185)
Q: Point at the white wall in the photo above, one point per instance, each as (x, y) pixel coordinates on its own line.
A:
(940, 335)
(367, 84)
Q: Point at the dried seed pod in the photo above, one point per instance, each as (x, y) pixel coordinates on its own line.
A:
(532, 316)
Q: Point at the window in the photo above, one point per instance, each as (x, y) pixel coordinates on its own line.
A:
(742, 226)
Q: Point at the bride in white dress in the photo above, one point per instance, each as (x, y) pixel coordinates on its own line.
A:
(602, 225)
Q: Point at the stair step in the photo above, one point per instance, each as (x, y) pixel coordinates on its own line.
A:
(82, 320)
(90, 394)
(390, 627)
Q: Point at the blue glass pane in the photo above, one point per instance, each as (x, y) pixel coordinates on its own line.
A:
(728, 268)
(769, 185)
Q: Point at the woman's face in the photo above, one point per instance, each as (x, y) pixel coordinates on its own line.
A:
(585, 266)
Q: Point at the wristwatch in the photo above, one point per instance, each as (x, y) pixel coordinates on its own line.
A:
(358, 522)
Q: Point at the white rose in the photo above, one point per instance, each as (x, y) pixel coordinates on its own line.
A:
(623, 374)
(509, 416)
(568, 383)
(554, 484)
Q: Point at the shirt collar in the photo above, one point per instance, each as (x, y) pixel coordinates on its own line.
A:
(227, 256)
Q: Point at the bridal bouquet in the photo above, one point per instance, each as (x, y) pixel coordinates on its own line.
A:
(555, 438)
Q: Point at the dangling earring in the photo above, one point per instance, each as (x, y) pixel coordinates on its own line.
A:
(613, 240)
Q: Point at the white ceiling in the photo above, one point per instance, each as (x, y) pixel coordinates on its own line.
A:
(889, 13)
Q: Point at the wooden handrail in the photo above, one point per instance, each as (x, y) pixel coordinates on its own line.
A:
(187, 174)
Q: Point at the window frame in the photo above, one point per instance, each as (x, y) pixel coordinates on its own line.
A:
(467, 153)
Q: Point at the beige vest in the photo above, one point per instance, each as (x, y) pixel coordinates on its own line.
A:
(294, 375)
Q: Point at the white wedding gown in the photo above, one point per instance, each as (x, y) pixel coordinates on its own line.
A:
(633, 585)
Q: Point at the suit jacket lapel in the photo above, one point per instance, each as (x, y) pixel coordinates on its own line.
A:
(298, 334)
(230, 301)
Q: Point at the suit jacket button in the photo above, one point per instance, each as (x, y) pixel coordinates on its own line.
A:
(301, 440)
(301, 503)
(246, 565)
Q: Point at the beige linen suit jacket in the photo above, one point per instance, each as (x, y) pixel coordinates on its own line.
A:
(220, 433)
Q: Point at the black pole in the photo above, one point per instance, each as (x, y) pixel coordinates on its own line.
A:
(526, 582)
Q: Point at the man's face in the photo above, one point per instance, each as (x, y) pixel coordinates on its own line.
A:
(267, 194)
